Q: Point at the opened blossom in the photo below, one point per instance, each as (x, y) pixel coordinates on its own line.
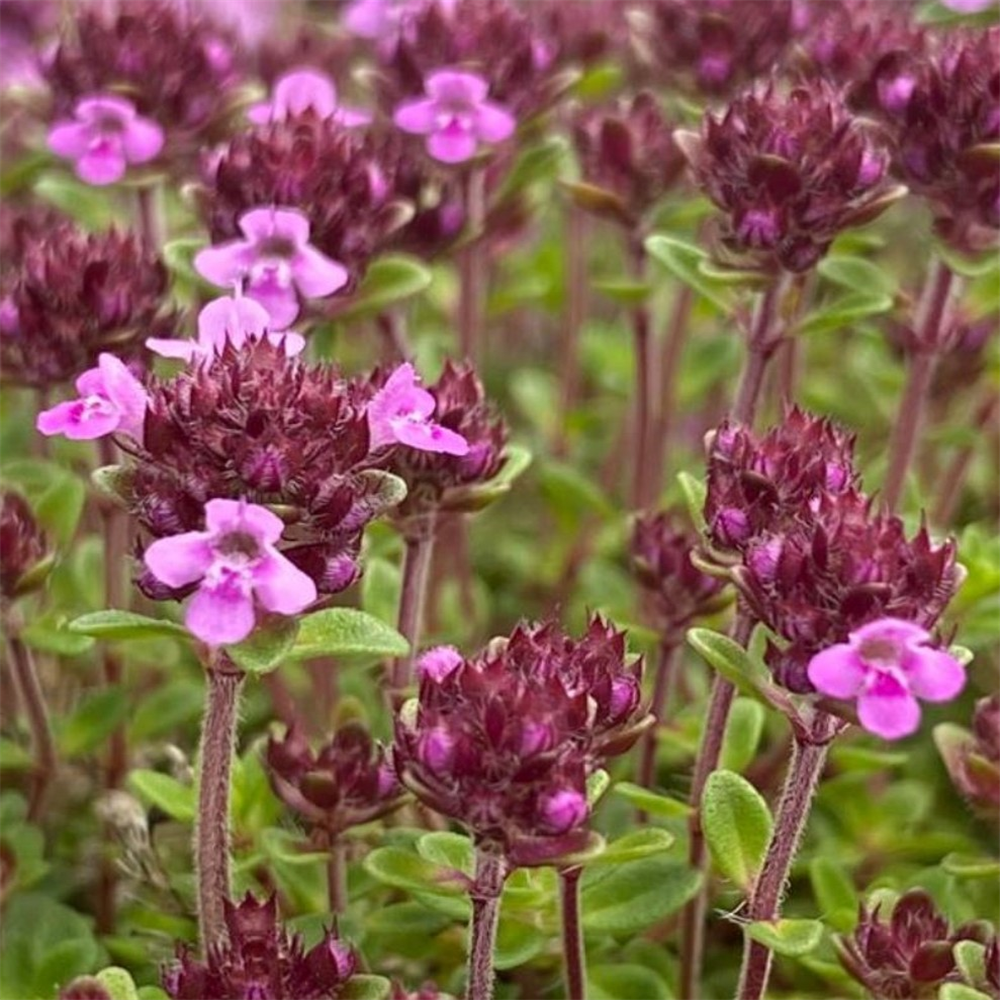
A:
(887, 665)
(275, 262)
(455, 116)
(400, 413)
(112, 400)
(104, 137)
(302, 90)
(223, 321)
(236, 566)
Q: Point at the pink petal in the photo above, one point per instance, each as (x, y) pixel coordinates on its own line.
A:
(90, 109)
(104, 164)
(315, 274)
(91, 383)
(260, 113)
(225, 316)
(494, 123)
(454, 86)
(837, 671)
(222, 516)
(934, 674)
(220, 615)
(70, 139)
(282, 587)
(888, 709)
(299, 90)
(142, 140)
(171, 347)
(427, 436)
(419, 117)
(126, 392)
(179, 559)
(452, 145)
(68, 420)
(261, 224)
(352, 117)
(294, 343)
(280, 302)
(890, 630)
(369, 18)
(224, 264)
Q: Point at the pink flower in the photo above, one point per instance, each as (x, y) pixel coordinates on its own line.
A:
(235, 561)
(887, 665)
(275, 260)
(302, 90)
(112, 400)
(106, 135)
(456, 116)
(224, 321)
(400, 413)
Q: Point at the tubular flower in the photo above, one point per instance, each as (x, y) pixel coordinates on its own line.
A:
(301, 90)
(346, 783)
(104, 137)
(660, 555)
(236, 566)
(262, 960)
(887, 665)
(75, 296)
(275, 261)
(23, 546)
(789, 172)
(112, 401)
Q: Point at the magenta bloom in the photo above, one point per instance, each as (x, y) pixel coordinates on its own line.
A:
(887, 665)
(455, 115)
(302, 90)
(228, 320)
(235, 561)
(275, 260)
(400, 413)
(111, 400)
(105, 137)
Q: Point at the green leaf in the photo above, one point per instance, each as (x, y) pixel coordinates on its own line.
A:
(380, 588)
(970, 957)
(857, 274)
(175, 799)
(152, 993)
(651, 802)
(179, 256)
(345, 632)
(619, 981)
(289, 848)
(835, 893)
(535, 163)
(473, 498)
(737, 825)
(55, 494)
(389, 280)
(631, 846)
(452, 850)
(624, 291)
(844, 311)
(683, 261)
(90, 206)
(959, 991)
(265, 648)
(118, 982)
(634, 895)
(571, 494)
(743, 732)
(517, 942)
(405, 869)
(694, 491)
(49, 634)
(365, 987)
(125, 625)
(730, 659)
(971, 866)
(787, 937)
(407, 920)
(14, 757)
(99, 713)
(166, 709)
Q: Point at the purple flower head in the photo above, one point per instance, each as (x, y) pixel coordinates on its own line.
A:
(973, 758)
(72, 296)
(887, 665)
(105, 137)
(227, 320)
(399, 413)
(790, 172)
(112, 401)
(455, 115)
(275, 261)
(23, 546)
(235, 563)
(261, 960)
(439, 662)
(301, 90)
(376, 20)
(346, 783)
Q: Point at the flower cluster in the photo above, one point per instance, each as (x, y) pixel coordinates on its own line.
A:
(305, 89)
(660, 552)
(23, 547)
(790, 172)
(347, 782)
(911, 954)
(74, 296)
(630, 153)
(504, 742)
(261, 959)
(973, 758)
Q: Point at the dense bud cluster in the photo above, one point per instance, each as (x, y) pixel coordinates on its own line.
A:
(345, 783)
(74, 296)
(262, 960)
(23, 546)
(790, 171)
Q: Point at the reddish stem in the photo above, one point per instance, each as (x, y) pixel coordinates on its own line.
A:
(662, 683)
(577, 231)
(643, 388)
(418, 535)
(472, 268)
(491, 871)
(955, 475)
(574, 954)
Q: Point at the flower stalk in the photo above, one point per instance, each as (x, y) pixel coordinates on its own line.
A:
(419, 535)
(472, 268)
(211, 855)
(336, 876)
(485, 891)
(577, 231)
(663, 683)
(574, 955)
(642, 358)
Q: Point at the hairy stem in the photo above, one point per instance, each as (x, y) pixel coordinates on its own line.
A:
(693, 918)
(641, 337)
(953, 480)
(419, 538)
(472, 268)
(577, 231)
(763, 341)
(211, 846)
(491, 870)
(336, 876)
(932, 321)
(574, 955)
(801, 780)
(662, 683)
(32, 698)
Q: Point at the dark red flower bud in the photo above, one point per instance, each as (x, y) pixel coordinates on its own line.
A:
(973, 758)
(23, 547)
(84, 988)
